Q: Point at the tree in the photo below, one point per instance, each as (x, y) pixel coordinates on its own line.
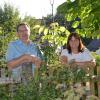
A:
(9, 18)
(88, 11)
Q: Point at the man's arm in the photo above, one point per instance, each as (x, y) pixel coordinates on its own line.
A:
(22, 59)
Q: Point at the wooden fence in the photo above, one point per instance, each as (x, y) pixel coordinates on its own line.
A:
(94, 82)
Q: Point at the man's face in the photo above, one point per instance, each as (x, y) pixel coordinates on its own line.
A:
(23, 33)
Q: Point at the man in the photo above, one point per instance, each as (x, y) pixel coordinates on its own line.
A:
(22, 53)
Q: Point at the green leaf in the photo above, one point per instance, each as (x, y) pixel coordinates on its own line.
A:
(67, 33)
(75, 24)
(46, 31)
(69, 17)
(36, 27)
(62, 29)
(41, 29)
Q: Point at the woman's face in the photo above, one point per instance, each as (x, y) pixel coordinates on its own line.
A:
(74, 43)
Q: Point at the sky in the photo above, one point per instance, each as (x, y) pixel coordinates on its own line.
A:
(35, 8)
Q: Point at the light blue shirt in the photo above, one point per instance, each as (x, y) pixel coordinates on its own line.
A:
(18, 48)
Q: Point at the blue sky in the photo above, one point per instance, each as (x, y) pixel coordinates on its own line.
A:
(36, 8)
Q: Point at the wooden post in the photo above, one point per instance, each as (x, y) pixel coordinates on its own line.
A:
(27, 73)
(98, 82)
(3, 73)
(92, 87)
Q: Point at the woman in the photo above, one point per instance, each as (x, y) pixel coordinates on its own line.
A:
(76, 52)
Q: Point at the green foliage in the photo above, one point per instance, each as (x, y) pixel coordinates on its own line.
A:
(54, 34)
(9, 17)
(88, 11)
(53, 82)
(97, 57)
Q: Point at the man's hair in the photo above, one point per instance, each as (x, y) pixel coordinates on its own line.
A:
(80, 47)
(21, 24)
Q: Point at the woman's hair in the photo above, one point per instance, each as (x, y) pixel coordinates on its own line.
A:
(80, 47)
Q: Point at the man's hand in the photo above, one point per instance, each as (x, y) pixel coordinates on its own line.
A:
(27, 58)
(37, 62)
(32, 58)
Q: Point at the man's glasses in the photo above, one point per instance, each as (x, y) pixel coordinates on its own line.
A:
(21, 31)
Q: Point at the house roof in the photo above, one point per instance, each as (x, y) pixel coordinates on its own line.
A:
(94, 45)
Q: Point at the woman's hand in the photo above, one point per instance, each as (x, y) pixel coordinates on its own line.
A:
(63, 59)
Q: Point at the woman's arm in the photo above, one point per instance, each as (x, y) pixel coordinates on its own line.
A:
(91, 63)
